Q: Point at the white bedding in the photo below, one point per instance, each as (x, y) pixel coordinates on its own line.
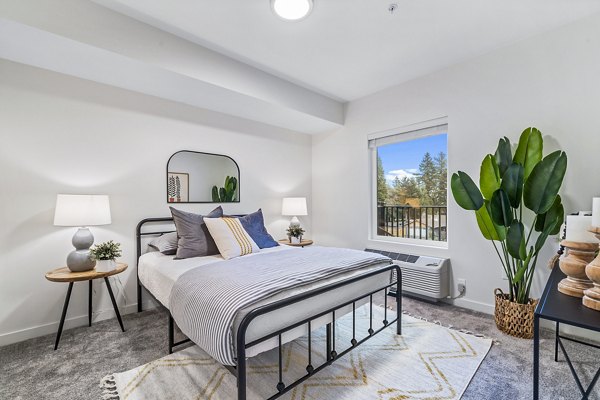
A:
(158, 273)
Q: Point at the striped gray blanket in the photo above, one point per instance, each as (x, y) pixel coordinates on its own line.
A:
(204, 301)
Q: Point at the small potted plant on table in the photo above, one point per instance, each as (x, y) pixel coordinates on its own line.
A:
(105, 255)
(295, 233)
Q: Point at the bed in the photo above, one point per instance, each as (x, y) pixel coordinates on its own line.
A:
(326, 284)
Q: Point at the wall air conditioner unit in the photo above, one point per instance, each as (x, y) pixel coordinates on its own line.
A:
(422, 276)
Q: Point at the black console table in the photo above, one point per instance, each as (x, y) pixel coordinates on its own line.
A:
(562, 309)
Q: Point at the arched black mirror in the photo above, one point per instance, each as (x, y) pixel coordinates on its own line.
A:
(195, 177)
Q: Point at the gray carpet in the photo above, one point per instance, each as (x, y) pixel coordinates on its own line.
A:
(32, 370)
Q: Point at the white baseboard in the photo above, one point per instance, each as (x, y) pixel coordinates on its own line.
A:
(73, 322)
(472, 305)
(82, 320)
(545, 324)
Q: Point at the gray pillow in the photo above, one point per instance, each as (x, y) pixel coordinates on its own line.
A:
(166, 244)
(194, 238)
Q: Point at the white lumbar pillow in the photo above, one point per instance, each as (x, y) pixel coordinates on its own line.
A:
(230, 236)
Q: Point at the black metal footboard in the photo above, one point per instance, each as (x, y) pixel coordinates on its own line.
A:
(331, 351)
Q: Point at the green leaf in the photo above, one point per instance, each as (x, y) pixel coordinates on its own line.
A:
(544, 182)
(489, 176)
(512, 183)
(465, 192)
(488, 228)
(541, 240)
(515, 240)
(503, 155)
(500, 208)
(555, 216)
(529, 150)
(523, 268)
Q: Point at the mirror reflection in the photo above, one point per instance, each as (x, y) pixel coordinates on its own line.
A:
(194, 177)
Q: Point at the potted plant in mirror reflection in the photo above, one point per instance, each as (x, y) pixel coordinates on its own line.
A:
(513, 190)
(225, 194)
(295, 233)
(105, 255)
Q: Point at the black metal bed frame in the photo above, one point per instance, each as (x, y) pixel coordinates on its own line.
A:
(331, 353)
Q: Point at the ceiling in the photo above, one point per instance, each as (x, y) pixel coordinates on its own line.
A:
(347, 49)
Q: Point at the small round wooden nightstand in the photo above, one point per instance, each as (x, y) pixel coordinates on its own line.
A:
(64, 274)
(303, 242)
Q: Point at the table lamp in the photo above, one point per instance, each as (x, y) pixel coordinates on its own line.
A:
(294, 206)
(82, 211)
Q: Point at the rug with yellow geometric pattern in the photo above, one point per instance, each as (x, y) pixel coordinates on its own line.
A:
(428, 361)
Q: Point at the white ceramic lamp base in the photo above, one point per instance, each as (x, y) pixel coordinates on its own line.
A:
(294, 222)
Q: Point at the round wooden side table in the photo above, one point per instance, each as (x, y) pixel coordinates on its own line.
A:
(303, 242)
(64, 274)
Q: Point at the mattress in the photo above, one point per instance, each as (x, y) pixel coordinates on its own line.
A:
(158, 273)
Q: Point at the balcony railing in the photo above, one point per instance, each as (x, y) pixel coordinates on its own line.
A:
(426, 223)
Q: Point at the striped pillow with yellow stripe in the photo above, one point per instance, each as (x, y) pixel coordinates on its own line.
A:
(230, 236)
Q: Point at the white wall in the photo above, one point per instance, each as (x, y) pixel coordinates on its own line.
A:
(549, 81)
(65, 135)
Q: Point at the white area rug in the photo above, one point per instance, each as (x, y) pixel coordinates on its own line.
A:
(427, 362)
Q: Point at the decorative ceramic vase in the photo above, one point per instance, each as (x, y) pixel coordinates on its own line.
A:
(591, 298)
(578, 256)
(295, 240)
(79, 259)
(105, 265)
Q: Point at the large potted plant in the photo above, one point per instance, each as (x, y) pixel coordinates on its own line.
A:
(517, 196)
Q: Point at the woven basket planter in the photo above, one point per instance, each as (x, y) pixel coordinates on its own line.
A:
(513, 318)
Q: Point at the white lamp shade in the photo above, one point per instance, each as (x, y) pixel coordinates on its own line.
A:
(293, 206)
(81, 210)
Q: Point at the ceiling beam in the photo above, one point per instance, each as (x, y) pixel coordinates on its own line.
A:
(88, 41)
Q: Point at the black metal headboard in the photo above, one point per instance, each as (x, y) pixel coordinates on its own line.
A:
(139, 234)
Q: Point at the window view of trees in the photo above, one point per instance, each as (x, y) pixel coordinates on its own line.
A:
(412, 188)
(427, 188)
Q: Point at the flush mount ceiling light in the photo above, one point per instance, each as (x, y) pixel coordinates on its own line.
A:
(292, 10)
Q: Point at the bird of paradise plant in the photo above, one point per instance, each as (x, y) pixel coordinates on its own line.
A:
(512, 190)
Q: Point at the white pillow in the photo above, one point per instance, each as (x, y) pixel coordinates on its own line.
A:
(230, 236)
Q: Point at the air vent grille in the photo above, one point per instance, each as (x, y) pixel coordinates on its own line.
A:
(421, 276)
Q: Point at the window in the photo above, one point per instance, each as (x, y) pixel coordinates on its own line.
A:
(410, 179)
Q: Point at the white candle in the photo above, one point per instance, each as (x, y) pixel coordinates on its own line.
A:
(578, 229)
(596, 212)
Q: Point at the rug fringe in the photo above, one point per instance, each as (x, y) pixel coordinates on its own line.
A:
(109, 388)
(437, 322)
